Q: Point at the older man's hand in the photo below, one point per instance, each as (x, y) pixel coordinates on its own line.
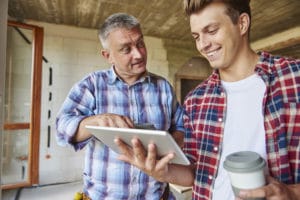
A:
(145, 160)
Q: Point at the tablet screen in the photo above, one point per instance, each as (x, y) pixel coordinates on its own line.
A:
(162, 139)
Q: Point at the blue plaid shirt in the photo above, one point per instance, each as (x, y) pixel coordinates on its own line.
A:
(150, 100)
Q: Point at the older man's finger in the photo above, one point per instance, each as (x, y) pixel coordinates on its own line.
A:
(151, 158)
(139, 151)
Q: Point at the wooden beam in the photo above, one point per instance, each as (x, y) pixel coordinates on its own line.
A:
(278, 41)
(16, 126)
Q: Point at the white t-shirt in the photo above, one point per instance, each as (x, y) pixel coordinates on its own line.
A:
(244, 127)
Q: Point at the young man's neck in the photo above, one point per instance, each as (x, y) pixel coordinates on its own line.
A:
(243, 67)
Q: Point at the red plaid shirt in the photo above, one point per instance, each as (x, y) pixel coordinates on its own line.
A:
(205, 115)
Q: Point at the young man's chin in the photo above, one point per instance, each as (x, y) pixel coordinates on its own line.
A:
(214, 65)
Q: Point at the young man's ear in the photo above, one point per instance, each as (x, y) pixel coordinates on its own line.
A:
(244, 23)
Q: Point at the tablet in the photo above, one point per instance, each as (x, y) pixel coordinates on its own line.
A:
(164, 142)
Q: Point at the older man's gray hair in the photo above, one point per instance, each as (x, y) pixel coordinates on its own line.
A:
(118, 20)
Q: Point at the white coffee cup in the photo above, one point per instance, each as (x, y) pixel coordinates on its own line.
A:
(246, 171)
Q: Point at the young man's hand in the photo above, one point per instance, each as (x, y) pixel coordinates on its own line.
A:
(273, 191)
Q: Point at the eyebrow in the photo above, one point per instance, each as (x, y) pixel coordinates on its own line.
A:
(214, 24)
(141, 38)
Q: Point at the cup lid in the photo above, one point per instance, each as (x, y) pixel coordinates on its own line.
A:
(244, 161)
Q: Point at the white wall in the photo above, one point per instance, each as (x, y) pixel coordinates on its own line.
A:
(72, 53)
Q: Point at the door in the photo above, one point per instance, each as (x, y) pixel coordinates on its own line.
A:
(22, 106)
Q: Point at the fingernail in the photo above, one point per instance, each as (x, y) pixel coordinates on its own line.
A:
(116, 140)
(242, 193)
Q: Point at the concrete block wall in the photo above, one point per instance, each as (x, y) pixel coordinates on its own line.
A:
(178, 53)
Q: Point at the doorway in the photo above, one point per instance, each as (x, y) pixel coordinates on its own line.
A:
(22, 105)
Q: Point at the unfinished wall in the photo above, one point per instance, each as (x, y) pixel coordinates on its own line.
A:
(3, 29)
(178, 53)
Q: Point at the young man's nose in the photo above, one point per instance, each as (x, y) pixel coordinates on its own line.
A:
(203, 44)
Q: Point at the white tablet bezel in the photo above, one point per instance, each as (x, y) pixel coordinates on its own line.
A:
(164, 142)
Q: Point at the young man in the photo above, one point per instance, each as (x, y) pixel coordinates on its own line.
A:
(124, 95)
(250, 102)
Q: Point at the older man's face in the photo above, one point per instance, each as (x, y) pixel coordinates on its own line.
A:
(128, 53)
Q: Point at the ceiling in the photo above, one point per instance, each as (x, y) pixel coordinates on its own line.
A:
(159, 18)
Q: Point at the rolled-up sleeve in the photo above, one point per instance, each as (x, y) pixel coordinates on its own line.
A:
(79, 104)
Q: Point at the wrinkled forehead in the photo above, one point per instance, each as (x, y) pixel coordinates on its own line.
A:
(121, 36)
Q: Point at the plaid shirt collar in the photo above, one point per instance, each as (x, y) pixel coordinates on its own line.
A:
(113, 77)
(262, 68)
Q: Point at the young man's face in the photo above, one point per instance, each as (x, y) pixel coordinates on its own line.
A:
(216, 37)
(127, 52)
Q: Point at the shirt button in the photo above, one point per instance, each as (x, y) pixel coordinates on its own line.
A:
(210, 177)
(222, 94)
(216, 148)
(220, 119)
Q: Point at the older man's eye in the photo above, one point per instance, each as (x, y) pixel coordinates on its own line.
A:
(125, 50)
(141, 44)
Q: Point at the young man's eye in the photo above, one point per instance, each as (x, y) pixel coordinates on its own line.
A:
(212, 31)
(196, 37)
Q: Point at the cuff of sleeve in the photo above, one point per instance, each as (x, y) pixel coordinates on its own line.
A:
(80, 145)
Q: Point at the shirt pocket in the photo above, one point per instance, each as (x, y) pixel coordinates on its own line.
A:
(159, 115)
